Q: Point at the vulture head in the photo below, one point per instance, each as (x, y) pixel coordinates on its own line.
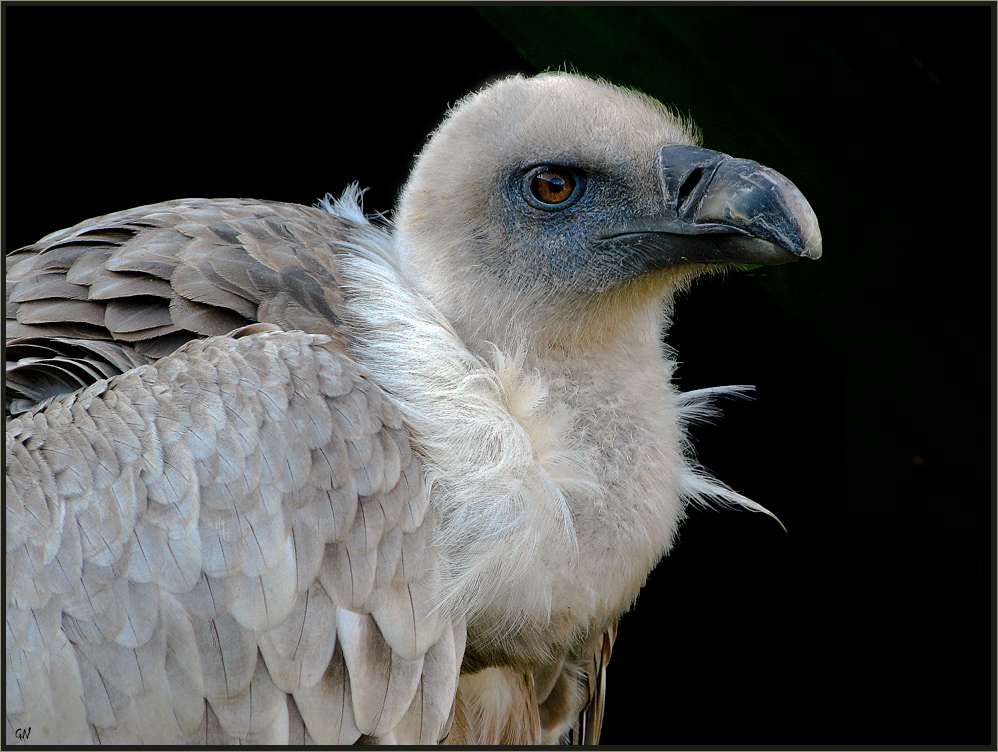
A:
(551, 196)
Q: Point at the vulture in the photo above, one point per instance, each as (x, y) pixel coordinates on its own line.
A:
(288, 474)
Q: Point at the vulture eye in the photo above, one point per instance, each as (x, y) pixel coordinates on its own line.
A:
(552, 187)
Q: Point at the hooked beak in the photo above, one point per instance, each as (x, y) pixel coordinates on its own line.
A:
(718, 209)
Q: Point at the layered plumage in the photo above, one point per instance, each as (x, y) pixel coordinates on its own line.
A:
(278, 473)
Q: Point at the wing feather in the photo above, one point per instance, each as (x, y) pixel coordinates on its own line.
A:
(427, 721)
(160, 275)
(299, 649)
(327, 707)
(203, 589)
(110, 285)
(383, 682)
(48, 285)
(58, 310)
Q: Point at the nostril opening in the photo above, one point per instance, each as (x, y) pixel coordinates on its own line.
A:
(688, 186)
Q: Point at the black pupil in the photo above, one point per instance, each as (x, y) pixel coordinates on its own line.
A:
(555, 184)
(552, 187)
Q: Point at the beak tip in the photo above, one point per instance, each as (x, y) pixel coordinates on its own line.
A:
(812, 238)
(798, 208)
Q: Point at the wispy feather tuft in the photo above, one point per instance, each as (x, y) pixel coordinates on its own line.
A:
(698, 486)
(496, 460)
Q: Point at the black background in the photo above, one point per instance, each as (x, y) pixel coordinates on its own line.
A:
(871, 433)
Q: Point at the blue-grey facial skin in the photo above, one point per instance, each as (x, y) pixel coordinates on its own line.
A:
(688, 205)
(562, 246)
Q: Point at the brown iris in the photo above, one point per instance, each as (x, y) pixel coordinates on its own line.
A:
(552, 187)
